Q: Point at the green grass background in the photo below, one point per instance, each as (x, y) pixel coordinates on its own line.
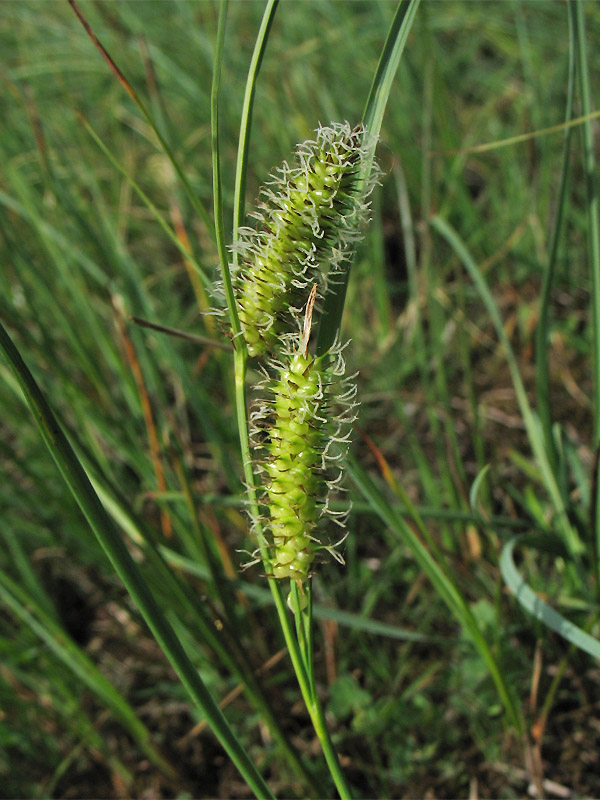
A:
(411, 704)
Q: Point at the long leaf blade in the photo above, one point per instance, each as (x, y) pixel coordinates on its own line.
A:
(391, 54)
(108, 536)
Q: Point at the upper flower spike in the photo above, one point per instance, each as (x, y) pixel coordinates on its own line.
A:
(309, 218)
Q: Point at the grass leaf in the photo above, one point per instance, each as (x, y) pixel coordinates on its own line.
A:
(537, 607)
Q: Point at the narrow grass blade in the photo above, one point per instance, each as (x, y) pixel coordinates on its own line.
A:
(521, 138)
(113, 545)
(388, 65)
(476, 488)
(537, 607)
(203, 341)
(217, 188)
(441, 582)
(260, 46)
(25, 608)
(198, 207)
(158, 216)
(534, 430)
(541, 340)
(333, 306)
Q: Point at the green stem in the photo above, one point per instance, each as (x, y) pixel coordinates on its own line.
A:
(304, 675)
(300, 647)
(317, 716)
(315, 709)
(303, 632)
(240, 357)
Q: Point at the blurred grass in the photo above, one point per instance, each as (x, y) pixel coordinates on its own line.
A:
(81, 253)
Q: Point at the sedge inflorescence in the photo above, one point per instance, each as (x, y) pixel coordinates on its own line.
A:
(309, 221)
(309, 217)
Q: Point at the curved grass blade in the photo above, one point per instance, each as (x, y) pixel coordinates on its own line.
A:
(388, 65)
(119, 555)
(476, 489)
(217, 188)
(537, 607)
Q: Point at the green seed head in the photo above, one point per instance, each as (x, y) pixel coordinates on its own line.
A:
(309, 218)
(305, 414)
(294, 456)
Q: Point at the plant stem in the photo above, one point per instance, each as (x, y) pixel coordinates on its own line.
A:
(317, 716)
(313, 704)
(240, 357)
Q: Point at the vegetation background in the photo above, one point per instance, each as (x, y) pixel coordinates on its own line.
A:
(411, 705)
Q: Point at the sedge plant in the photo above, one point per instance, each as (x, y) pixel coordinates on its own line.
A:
(308, 239)
(314, 218)
(284, 274)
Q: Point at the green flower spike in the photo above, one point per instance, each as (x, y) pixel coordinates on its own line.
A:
(310, 216)
(307, 419)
